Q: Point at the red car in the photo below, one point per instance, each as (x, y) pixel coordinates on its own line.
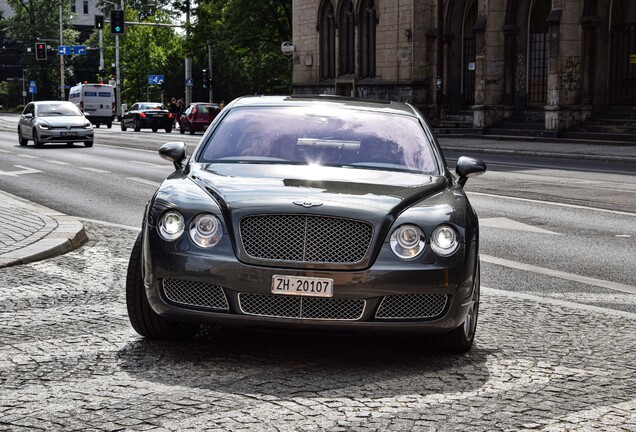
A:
(197, 117)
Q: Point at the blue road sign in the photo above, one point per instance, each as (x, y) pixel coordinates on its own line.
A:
(189, 82)
(64, 50)
(79, 49)
(33, 89)
(155, 79)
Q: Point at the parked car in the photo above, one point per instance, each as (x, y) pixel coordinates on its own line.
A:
(197, 117)
(147, 115)
(54, 122)
(310, 212)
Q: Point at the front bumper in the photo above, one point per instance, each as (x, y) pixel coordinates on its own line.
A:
(237, 294)
(53, 136)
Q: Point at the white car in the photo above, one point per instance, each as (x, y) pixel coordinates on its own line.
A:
(54, 122)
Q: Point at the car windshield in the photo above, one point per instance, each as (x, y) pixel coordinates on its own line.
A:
(322, 136)
(56, 110)
(151, 107)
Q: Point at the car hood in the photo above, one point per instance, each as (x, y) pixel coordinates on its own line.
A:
(61, 121)
(273, 188)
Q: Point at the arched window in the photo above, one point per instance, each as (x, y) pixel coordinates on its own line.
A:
(327, 29)
(367, 38)
(347, 39)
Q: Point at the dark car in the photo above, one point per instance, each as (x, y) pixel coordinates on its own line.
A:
(197, 117)
(311, 213)
(147, 115)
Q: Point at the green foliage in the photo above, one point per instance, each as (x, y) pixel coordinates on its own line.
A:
(245, 36)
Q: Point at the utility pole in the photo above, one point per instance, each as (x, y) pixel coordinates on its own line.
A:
(188, 60)
(62, 91)
(440, 57)
(210, 74)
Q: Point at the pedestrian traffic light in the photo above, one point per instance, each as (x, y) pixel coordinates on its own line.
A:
(99, 22)
(204, 78)
(40, 51)
(117, 23)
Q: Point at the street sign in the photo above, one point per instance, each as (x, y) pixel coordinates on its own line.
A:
(189, 82)
(154, 79)
(64, 50)
(79, 49)
(33, 89)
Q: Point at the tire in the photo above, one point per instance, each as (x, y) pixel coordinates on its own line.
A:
(181, 131)
(460, 340)
(191, 132)
(70, 143)
(36, 140)
(154, 129)
(136, 125)
(97, 125)
(109, 125)
(144, 320)
(123, 126)
(88, 144)
(169, 129)
(23, 141)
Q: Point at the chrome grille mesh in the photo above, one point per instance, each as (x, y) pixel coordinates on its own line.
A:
(301, 307)
(317, 239)
(412, 306)
(190, 293)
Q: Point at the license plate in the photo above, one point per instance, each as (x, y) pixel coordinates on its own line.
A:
(302, 286)
(69, 133)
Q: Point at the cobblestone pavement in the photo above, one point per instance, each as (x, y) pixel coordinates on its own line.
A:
(69, 360)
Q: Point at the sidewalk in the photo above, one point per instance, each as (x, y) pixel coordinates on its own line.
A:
(32, 232)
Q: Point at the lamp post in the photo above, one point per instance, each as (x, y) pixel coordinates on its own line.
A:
(62, 91)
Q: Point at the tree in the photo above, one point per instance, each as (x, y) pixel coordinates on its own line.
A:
(34, 21)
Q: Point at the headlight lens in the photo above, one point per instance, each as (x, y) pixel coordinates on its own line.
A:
(171, 225)
(206, 230)
(444, 240)
(43, 126)
(88, 126)
(407, 241)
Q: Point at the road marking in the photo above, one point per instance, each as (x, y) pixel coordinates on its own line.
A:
(618, 212)
(562, 303)
(24, 170)
(27, 156)
(96, 170)
(6, 151)
(559, 274)
(151, 164)
(56, 162)
(510, 224)
(144, 181)
(112, 224)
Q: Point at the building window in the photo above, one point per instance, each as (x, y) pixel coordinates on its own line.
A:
(85, 7)
(327, 29)
(73, 7)
(347, 39)
(368, 19)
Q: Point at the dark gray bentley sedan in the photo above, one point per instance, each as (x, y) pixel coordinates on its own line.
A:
(310, 212)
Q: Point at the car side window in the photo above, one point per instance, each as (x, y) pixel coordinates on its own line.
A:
(134, 107)
(28, 109)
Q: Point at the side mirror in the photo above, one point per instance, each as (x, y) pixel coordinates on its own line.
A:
(175, 152)
(469, 167)
(28, 115)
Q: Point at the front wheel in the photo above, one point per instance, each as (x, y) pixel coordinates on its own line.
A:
(169, 129)
(460, 340)
(136, 126)
(36, 139)
(123, 126)
(109, 125)
(143, 318)
(88, 144)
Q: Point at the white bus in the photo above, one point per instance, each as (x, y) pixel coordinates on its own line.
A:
(96, 101)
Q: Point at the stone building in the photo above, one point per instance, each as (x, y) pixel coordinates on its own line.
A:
(563, 60)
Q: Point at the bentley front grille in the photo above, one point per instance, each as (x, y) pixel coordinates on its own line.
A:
(195, 294)
(298, 238)
(301, 307)
(412, 306)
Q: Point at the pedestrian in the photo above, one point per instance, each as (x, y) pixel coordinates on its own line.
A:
(180, 106)
(174, 110)
(221, 105)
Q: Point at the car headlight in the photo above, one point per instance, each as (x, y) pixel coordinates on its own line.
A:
(206, 230)
(171, 225)
(444, 240)
(44, 126)
(407, 241)
(88, 126)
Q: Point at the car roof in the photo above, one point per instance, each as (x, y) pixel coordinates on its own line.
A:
(52, 102)
(330, 100)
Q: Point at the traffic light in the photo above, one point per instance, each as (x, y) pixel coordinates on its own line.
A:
(117, 23)
(40, 51)
(204, 78)
(99, 22)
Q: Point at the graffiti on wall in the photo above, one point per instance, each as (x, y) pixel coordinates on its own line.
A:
(520, 76)
(570, 76)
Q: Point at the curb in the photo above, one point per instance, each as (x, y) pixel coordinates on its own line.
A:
(65, 233)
